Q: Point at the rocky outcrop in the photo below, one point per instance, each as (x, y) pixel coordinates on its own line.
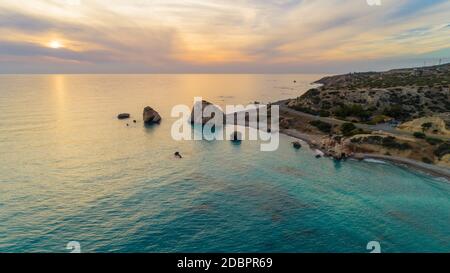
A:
(123, 116)
(151, 116)
(285, 123)
(197, 116)
(336, 147)
(236, 136)
(296, 145)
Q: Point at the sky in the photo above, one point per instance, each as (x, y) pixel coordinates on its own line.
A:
(221, 36)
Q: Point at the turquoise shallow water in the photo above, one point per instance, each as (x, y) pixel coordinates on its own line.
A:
(69, 170)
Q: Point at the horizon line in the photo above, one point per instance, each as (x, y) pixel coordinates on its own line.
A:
(217, 73)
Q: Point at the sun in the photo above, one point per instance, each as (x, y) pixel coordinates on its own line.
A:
(55, 44)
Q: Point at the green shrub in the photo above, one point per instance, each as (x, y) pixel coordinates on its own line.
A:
(391, 142)
(442, 150)
(419, 135)
(322, 126)
(377, 119)
(324, 113)
(304, 109)
(354, 110)
(395, 111)
(388, 142)
(433, 141)
(427, 160)
(311, 93)
(426, 126)
(347, 128)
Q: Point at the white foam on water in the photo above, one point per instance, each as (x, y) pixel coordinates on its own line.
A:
(319, 152)
(371, 160)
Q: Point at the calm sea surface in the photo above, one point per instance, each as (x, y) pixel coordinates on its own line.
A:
(70, 171)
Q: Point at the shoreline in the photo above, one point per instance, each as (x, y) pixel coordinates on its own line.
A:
(433, 170)
(436, 171)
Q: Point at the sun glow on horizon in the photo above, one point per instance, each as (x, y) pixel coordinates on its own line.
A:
(55, 44)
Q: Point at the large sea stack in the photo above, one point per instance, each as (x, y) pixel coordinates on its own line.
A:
(151, 116)
(200, 107)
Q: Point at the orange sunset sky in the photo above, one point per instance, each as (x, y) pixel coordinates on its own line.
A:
(223, 36)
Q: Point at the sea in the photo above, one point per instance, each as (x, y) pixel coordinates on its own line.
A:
(70, 171)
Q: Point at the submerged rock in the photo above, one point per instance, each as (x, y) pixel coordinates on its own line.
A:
(123, 116)
(236, 136)
(200, 118)
(151, 116)
(296, 145)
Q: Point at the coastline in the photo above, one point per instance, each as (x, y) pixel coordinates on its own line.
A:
(410, 163)
(433, 170)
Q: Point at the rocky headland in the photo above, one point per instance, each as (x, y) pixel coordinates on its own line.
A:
(402, 113)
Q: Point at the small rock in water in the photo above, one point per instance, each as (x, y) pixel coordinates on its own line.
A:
(318, 156)
(236, 136)
(296, 145)
(177, 154)
(123, 116)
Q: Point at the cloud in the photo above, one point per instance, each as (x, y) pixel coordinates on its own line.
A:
(21, 22)
(219, 35)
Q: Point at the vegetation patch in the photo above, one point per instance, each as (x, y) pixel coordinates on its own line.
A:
(388, 142)
(419, 135)
(348, 128)
(378, 119)
(354, 110)
(427, 126)
(427, 160)
(396, 111)
(304, 109)
(324, 113)
(322, 126)
(433, 141)
(442, 150)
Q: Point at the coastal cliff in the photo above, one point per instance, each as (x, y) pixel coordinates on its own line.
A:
(402, 112)
(402, 94)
